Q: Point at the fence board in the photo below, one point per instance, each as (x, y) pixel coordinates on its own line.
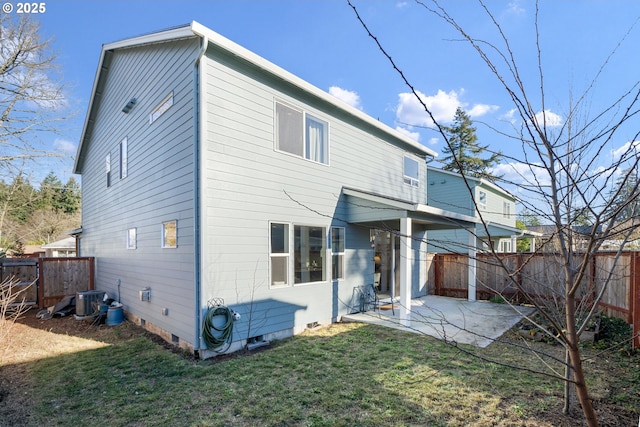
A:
(23, 273)
(541, 275)
(53, 278)
(64, 276)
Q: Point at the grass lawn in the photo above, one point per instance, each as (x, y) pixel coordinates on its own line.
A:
(342, 375)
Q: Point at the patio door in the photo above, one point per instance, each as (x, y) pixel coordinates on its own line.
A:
(387, 262)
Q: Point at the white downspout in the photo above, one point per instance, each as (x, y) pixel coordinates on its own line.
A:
(199, 126)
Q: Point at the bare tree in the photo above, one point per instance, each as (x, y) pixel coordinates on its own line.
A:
(565, 184)
(32, 99)
(31, 96)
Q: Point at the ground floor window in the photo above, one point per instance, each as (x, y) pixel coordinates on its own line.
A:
(170, 234)
(279, 254)
(297, 257)
(132, 238)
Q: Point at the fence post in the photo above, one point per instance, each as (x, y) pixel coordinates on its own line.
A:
(634, 297)
(40, 283)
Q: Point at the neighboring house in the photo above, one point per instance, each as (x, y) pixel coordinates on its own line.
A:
(60, 248)
(211, 175)
(580, 235)
(495, 206)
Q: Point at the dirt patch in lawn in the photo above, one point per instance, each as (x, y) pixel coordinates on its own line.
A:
(33, 339)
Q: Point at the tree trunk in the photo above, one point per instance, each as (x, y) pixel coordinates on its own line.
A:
(568, 389)
(576, 363)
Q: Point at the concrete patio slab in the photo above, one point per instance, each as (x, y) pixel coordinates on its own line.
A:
(476, 323)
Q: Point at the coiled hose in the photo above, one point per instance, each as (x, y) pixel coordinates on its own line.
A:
(216, 336)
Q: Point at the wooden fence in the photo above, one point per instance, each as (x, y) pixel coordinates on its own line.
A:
(47, 280)
(541, 275)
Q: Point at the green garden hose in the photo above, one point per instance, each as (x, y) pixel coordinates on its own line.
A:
(217, 336)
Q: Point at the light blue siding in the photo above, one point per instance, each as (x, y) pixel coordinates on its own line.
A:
(159, 186)
(448, 191)
(247, 183)
(215, 170)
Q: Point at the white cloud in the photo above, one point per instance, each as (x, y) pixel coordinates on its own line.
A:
(549, 119)
(413, 135)
(442, 105)
(509, 116)
(515, 7)
(433, 141)
(625, 150)
(64, 145)
(348, 96)
(523, 174)
(480, 110)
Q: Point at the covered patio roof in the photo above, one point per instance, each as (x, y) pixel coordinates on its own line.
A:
(372, 208)
(499, 230)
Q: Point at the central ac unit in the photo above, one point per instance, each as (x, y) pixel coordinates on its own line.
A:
(88, 302)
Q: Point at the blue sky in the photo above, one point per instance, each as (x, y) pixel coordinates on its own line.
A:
(323, 43)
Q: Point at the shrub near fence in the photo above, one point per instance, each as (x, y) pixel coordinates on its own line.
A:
(541, 275)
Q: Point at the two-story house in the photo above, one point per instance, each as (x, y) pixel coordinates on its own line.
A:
(493, 206)
(212, 176)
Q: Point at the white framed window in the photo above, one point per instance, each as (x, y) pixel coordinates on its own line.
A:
(279, 254)
(482, 199)
(132, 238)
(108, 167)
(170, 234)
(124, 159)
(411, 171)
(337, 252)
(299, 257)
(505, 246)
(309, 254)
(301, 134)
(164, 105)
(506, 209)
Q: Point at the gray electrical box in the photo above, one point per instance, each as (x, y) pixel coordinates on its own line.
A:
(145, 294)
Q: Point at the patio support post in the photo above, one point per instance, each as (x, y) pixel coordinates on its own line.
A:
(471, 289)
(405, 271)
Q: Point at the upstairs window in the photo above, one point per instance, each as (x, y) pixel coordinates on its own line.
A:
(506, 210)
(301, 134)
(482, 200)
(411, 172)
(108, 166)
(123, 159)
(164, 105)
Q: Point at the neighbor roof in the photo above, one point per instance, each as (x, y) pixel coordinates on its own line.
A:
(194, 29)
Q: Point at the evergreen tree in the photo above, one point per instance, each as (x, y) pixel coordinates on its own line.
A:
(463, 146)
(627, 198)
(70, 197)
(50, 192)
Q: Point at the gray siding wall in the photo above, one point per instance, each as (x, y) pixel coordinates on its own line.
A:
(247, 184)
(159, 186)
